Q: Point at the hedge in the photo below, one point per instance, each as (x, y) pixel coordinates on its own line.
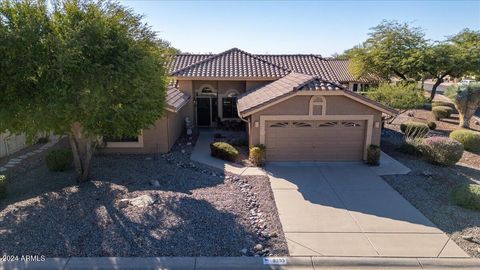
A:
(223, 150)
(469, 138)
(414, 129)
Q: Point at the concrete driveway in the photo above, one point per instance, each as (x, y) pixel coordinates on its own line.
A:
(346, 209)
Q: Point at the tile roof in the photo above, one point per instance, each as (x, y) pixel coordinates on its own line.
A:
(233, 63)
(183, 60)
(303, 63)
(340, 68)
(176, 99)
(283, 87)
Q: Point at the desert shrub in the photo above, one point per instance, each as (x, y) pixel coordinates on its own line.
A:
(467, 196)
(414, 129)
(3, 187)
(59, 160)
(373, 155)
(223, 150)
(442, 150)
(442, 103)
(399, 96)
(441, 112)
(410, 147)
(432, 125)
(469, 138)
(257, 154)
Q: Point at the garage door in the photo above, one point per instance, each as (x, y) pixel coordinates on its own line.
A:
(315, 140)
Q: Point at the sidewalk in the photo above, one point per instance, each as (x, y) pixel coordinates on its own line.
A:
(251, 263)
(201, 153)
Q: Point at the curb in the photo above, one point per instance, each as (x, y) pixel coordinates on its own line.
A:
(254, 263)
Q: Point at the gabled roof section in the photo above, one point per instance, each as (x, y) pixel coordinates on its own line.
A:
(285, 86)
(292, 84)
(303, 63)
(176, 99)
(233, 63)
(343, 74)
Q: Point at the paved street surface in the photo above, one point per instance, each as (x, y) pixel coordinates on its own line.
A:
(346, 209)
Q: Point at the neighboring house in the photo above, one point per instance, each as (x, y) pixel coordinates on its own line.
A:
(294, 104)
(346, 78)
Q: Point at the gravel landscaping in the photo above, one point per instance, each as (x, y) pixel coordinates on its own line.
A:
(139, 205)
(428, 188)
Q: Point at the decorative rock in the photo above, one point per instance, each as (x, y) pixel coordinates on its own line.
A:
(140, 201)
(243, 251)
(467, 237)
(258, 247)
(183, 151)
(427, 173)
(274, 234)
(155, 183)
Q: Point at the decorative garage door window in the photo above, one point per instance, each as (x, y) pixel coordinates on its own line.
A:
(279, 124)
(301, 124)
(328, 124)
(318, 105)
(350, 124)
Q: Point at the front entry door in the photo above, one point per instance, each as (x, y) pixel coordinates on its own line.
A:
(204, 113)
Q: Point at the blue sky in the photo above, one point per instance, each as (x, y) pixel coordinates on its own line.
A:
(320, 27)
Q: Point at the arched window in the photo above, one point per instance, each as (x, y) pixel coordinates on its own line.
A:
(206, 90)
(318, 105)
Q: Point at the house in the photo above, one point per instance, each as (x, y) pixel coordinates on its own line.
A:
(299, 106)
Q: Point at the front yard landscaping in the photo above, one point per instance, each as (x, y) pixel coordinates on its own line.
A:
(179, 208)
(429, 187)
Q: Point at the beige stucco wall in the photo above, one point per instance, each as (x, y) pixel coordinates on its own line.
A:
(299, 105)
(160, 137)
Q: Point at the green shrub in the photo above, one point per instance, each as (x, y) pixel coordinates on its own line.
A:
(373, 155)
(257, 154)
(432, 125)
(442, 150)
(410, 147)
(399, 96)
(3, 187)
(414, 129)
(59, 160)
(469, 138)
(442, 103)
(223, 150)
(467, 196)
(441, 112)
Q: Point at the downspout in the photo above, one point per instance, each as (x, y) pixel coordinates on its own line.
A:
(246, 121)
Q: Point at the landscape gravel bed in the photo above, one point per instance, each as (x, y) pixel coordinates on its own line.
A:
(143, 205)
(428, 188)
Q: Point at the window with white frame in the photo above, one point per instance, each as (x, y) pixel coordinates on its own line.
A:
(124, 142)
(318, 105)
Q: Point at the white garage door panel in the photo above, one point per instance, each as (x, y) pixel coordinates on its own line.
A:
(315, 140)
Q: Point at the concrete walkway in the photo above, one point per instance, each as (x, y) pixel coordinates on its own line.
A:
(390, 166)
(14, 161)
(251, 263)
(201, 153)
(346, 209)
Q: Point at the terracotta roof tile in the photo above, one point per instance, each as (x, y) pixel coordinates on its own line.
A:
(303, 63)
(340, 68)
(282, 87)
(233, 63)
(176, 99)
